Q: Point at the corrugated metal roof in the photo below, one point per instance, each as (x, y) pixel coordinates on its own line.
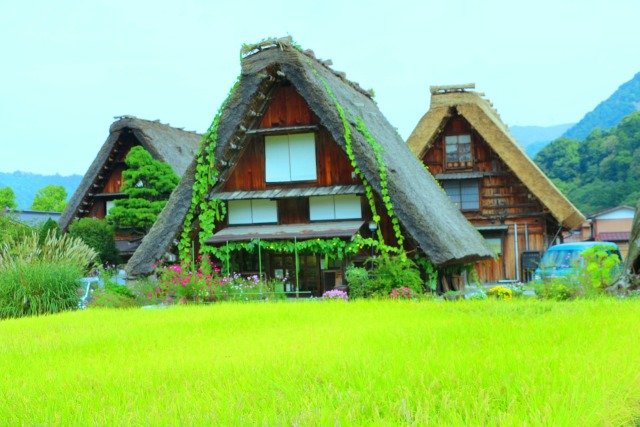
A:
(287, 231)
(284, 193)
(615, 236)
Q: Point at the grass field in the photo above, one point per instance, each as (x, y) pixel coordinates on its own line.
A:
(491, 363)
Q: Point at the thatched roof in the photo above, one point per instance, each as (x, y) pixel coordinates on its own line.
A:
(422, 208)
(173, 146)
(446, 101)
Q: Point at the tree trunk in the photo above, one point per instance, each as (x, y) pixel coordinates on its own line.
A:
(629, 280)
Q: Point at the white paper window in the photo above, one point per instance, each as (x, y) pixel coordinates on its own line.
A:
(322, 208)
(109, 205)
(264, 211)
(348, 207)
(290, 157)
(335, 207)
(256, 211)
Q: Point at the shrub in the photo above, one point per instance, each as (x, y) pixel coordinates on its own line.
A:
(335, 294)
(98, 235)
(389, 273)
(12, 229)
(555, 290)
(402, 293)
(500, 292)
(360, 283)
(113, 296)
(39, 279)
(393, 271)
(48, 227)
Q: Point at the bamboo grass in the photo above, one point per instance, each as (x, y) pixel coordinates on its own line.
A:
(327, 363)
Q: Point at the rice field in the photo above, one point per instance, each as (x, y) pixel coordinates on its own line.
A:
(311, 363)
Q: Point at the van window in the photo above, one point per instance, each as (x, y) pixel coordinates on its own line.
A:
(564, 258)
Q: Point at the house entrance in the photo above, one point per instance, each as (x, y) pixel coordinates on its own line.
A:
(284, 266)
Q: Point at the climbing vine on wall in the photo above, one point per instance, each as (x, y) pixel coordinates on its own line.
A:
(377, 149)
(335, 248)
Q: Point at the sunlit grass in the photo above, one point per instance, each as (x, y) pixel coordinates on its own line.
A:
(312, 363)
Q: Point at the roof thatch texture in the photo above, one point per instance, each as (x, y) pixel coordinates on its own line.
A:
(420, 205)
(486, 121)
(173, 146)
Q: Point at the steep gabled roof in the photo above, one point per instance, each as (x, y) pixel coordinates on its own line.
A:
(446, 101)
(421, 206)
(173, 146)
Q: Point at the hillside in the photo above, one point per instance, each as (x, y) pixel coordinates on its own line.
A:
(600, 172)
(25, 185)
(534, 138)
(624, 101)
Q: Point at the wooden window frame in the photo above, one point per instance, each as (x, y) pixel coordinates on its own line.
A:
(292, 178)
(457, 164)
(457, 199)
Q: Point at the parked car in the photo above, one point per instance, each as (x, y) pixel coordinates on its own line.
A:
(559, 261)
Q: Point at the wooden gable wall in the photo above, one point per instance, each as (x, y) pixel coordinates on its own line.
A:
(504, 200)
(287, 109)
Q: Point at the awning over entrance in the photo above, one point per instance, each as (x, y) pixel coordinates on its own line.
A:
(287, 231)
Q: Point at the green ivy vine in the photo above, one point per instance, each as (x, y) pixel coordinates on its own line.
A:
(335, 248)
(377, 149)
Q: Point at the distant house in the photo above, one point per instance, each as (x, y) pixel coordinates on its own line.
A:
(33, 217)
(102, 183)
(469, 150)
(610, 225)
(294, 142)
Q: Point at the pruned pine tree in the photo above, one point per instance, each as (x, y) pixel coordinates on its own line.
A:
(148, 183)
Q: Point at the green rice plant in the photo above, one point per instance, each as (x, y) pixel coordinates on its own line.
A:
(370, 362)
(42, 278)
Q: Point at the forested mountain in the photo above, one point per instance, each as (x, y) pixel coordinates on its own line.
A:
(624, 101)
(600, 172)
(534, 138)
(25, 185)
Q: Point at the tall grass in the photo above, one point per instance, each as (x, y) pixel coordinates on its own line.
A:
(334, 363)
(41, 277)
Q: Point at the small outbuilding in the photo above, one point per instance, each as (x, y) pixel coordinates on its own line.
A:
(484, 171)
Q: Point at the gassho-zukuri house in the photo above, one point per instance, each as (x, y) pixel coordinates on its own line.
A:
(102, 183)
(302, 161)
(469, 150)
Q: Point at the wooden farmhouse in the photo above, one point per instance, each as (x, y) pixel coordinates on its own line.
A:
(102, 183)
(303, 155)
(485, 172)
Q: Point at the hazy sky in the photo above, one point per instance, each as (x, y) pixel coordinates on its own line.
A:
(70, 66)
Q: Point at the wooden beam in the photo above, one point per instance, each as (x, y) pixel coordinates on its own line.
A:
(451, 88)
(286, 129)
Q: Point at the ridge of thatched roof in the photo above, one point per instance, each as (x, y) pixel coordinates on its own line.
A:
(422, 208)
(480, 113)
(174, 146)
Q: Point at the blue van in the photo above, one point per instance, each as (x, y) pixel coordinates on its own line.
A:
(559, 260)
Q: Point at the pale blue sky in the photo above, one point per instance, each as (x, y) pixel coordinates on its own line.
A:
(68, 67)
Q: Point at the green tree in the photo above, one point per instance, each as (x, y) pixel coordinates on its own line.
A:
(52, 198)
(148, 183)
(98, 235)
(7, 198)
(600, 172)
